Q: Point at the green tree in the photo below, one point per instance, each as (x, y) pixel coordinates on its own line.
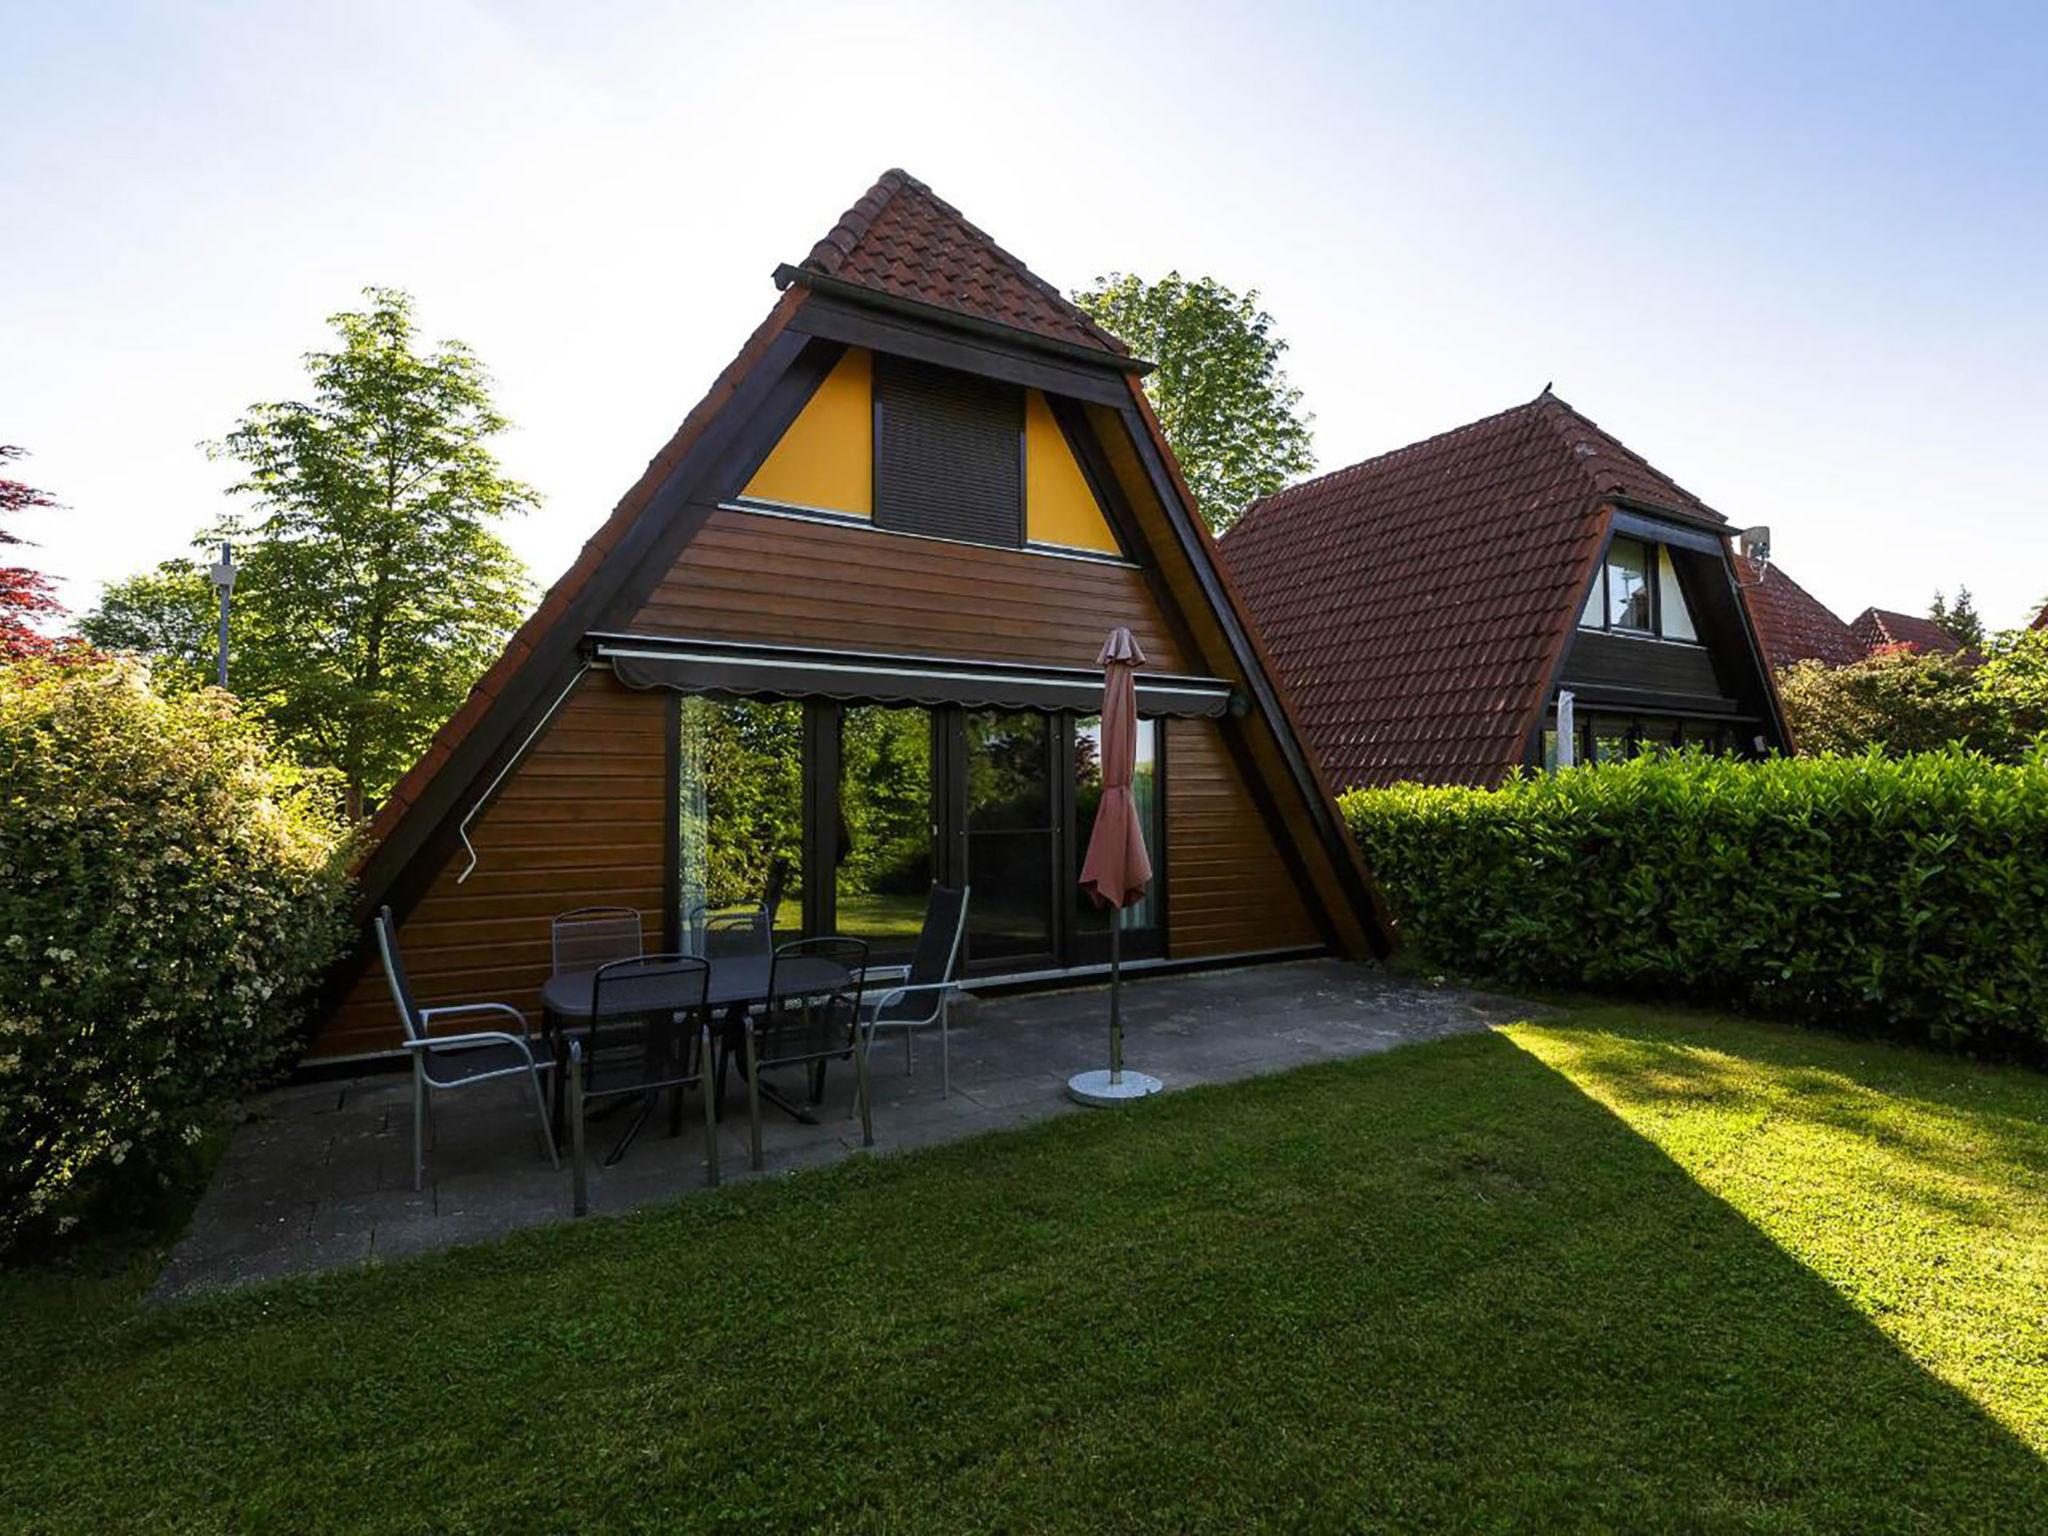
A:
(1959, 618)
(374, 586)
(167, 614)
(1901, 700)
(1232, 418)
(2013, 685)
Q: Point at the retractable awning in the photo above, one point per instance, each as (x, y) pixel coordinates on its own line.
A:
(792, 672)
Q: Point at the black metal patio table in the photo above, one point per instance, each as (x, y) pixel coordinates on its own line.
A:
(736, 981)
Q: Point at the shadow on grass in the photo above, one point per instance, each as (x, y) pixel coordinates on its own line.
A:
(1440, 1288)
(1943, 1119)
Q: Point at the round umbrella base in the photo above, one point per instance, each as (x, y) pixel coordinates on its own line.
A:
(1095, 1088)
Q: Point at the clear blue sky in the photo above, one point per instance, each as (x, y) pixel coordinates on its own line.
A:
(1794, 254)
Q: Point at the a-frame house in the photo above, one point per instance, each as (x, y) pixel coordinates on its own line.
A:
(845, 623)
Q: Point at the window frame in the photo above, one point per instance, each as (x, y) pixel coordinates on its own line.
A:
(1598, 593)
(883, 388)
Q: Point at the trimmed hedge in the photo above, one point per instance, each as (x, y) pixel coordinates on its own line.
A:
(1908, 894)
(169, 888)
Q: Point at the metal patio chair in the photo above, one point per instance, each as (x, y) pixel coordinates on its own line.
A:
(649, 1033)
(811, 1017)
(588, 937)
(441, 1063)
(920, 995)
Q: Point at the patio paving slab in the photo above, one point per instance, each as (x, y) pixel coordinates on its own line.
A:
(319, 1177)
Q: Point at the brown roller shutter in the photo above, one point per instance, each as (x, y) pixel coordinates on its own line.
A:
(949, 455)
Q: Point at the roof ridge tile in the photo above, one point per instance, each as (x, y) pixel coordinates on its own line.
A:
(957, 265)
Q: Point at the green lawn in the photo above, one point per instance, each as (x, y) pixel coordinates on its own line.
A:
(1621, 1270)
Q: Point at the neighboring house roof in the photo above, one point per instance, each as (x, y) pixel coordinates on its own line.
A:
(2041, 618)
(904, 240)
(1876, 628)
(1416, 604)
(1791, 622)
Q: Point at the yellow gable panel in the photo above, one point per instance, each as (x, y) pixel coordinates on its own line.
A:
(1059, 508)
(826, 460)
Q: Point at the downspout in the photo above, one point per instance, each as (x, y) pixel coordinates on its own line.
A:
(476, 810)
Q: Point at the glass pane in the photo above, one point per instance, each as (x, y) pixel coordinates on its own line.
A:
(1677, 617)
(1610, 741)
(1595, 616)
(886, 820)
(740, 809)
(1628, 585)
(1011, 842)
(1088, 795)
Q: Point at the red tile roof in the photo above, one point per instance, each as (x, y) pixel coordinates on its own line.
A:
(904, 240)
(1875, 628)
(1792, 623)
(1415, 604)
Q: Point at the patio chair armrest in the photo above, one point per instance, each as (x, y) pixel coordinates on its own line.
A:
(925, 986)
(883, 972)
(475, 1038)
(880, 1000)
(457, 1010)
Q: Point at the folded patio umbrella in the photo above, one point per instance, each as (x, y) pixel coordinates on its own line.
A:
(1118, 867)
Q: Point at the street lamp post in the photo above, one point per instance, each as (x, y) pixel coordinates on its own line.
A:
(223, 577)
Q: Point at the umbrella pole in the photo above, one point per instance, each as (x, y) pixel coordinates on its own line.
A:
(1116, 988)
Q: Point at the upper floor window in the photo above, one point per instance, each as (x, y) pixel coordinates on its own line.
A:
(1637, 592)
(949, 458)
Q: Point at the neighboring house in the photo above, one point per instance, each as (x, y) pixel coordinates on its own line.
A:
(1428, 609)
(1794, 625)
(2041, 618)
(1878, 628)
(876, 563)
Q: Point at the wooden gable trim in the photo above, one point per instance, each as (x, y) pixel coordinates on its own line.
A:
(651, 525)
(950, 345)
(1197, 551)
(1562, 629)
(937, 316)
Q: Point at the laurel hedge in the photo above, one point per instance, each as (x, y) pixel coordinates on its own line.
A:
(1904, 894)
(169, 888)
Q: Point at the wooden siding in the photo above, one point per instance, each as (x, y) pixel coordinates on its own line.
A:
(1228, 889)
(580, 822)
(789, 582)
(1686, 674)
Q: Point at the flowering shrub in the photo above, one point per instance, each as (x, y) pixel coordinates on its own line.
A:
(1909, 894)
(1902, 700)
(169, 888)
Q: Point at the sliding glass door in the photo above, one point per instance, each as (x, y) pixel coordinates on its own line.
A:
(739, 810)
(885, 840)
(1010, 836)
(864, 806)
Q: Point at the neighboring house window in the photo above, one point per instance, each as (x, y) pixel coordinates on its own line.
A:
(1628, 587)
(949, 456)
(1674, 617)
(1637, 592)
(1602, 737)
